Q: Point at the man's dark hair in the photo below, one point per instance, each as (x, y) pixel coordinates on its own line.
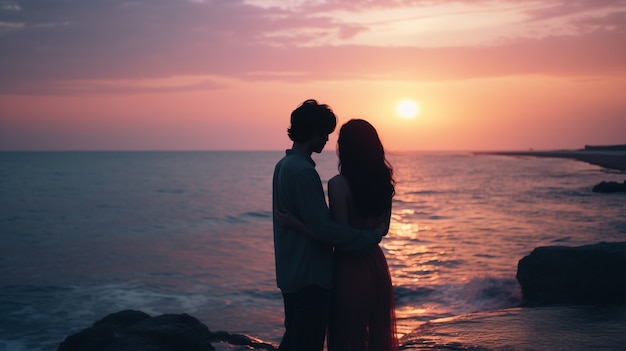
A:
(310, 119)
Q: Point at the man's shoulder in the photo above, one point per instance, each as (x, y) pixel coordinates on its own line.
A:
(294, 162)
(293, 169)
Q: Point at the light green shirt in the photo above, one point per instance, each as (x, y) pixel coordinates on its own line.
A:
(300, 259)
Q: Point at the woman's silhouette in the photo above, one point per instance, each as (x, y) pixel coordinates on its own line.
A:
(363, 316)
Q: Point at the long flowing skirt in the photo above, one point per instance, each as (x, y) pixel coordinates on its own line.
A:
(363, 315)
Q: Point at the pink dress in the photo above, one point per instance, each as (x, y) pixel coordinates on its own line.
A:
(363, 316)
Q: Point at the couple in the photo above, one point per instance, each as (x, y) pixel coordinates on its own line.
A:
(332, 274)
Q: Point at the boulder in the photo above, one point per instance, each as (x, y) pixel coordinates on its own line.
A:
(130, 330)
(609, 187)
(590, 274)
(243, 340)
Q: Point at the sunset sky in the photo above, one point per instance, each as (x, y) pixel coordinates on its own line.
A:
(226, 74)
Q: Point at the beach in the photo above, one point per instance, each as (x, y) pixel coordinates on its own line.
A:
(536, 329)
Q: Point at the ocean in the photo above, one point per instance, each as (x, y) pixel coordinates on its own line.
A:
(85, 234)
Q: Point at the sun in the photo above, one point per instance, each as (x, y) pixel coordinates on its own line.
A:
(407, 109)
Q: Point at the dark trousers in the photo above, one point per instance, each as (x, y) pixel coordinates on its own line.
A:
(306, 319)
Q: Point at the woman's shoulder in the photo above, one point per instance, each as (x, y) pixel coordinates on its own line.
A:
(339, 185)
(337, 178)
(338, 181)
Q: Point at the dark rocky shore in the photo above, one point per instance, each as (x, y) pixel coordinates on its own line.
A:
(609, 187)
(571, 328)
(574, 299)
(610, 157)
(131, 330)
(582, 275)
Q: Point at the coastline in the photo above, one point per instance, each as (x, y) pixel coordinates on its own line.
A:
(609, 159)
(562, 327)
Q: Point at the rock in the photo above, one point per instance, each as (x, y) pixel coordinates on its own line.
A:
(609, 187)
(134, 330)
(590, 274)
(241, 339)
(123, 318)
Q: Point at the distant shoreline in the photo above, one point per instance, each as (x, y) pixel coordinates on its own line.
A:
(609, 159)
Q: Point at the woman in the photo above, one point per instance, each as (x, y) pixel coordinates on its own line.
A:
(362, 316)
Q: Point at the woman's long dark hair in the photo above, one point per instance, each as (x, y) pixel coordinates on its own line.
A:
(362, 161)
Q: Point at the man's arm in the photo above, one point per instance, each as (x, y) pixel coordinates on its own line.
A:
(312, 210)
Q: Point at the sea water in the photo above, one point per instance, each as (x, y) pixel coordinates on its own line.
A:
(85, 234)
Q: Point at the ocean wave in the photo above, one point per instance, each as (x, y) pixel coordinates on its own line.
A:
(258, 214)
(451, 299)
(490, 293)
(13, 345)
(171, 191)
(242, 218)
(422, 192)
(262, 294)
(406, 295)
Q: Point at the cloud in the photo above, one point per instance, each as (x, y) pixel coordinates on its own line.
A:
(51, 45)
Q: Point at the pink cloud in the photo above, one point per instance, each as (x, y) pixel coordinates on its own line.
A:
(83, 41)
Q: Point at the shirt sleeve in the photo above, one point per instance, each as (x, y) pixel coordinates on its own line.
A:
(314, 213)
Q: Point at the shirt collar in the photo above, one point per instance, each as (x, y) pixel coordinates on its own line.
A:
(290, 152)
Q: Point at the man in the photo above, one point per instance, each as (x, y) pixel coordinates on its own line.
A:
(304, 262)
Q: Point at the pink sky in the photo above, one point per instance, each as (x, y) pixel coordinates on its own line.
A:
(225, 74)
